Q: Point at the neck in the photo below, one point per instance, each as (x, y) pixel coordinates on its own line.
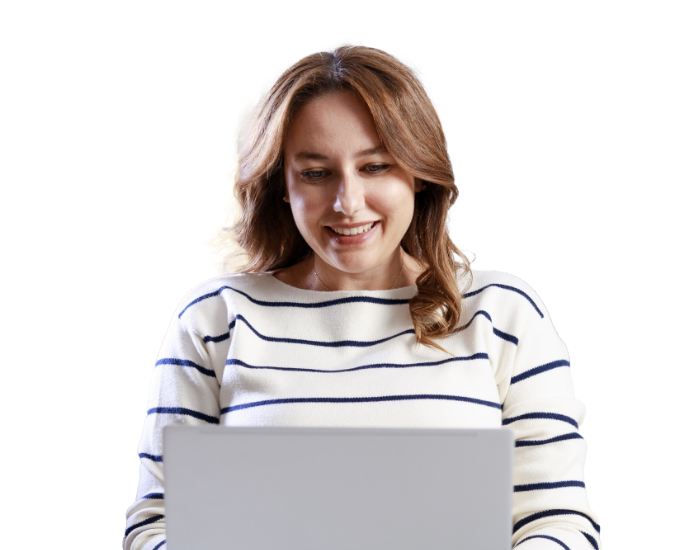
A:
(322, 286)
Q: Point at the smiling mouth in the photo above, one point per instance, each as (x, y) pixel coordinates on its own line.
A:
(348, 233)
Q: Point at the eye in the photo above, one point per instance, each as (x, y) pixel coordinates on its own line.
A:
(313, 175)
(377, 168)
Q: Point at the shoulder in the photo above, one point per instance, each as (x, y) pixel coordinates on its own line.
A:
(497, 289)
(211, 296)
(482, 278)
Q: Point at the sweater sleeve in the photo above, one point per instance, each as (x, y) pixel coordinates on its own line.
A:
(550, 506)
(184, 389)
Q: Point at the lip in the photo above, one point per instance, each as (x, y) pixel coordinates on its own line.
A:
(351, 240)
(350, 225)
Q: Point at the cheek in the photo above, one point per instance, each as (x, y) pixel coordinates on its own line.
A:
(390, 207)
(399, 217)
(305, 216)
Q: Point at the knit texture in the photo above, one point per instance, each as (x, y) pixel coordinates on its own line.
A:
(249, 350)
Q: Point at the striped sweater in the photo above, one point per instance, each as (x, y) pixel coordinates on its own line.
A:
(249, 350)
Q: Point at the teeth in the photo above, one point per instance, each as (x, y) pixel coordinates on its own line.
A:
(354, 230)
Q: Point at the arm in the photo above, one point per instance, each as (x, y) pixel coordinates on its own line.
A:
(184, 390)
(550, 506)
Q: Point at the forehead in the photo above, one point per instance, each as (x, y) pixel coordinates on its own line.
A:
(335, 124)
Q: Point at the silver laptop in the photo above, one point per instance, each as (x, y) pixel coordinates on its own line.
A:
(337, 488)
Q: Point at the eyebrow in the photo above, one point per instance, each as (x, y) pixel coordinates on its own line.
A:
(318, 156)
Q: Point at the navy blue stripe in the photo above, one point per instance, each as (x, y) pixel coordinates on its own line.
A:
(217, 339)
(538, 370)
(347, 343)
(372, 366)
(506, 287)
(315, 305)
(359, 400)
(152, 519)
(561, 543)
(545, 486)
(153, 495)
(210, 372)
(339, 344)
(589, 538)
(347, 300)
(547, 415)
(204, 297)
(185, 363)
(156, 458)
(160, 545)
(187, 412)
(549, 513)
(534, 442)
(504, 335)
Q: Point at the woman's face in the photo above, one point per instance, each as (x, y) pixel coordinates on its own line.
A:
(350, 199)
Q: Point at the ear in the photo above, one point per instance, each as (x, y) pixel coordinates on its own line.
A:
(418, 185)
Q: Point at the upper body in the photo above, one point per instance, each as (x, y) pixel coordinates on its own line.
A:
(249, 350)
(356, 308)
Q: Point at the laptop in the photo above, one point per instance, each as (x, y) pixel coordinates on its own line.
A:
(337, 488)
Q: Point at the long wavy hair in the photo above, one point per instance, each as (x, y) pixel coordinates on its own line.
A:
(409, 129)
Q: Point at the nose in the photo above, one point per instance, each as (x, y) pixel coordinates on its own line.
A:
(349, 198)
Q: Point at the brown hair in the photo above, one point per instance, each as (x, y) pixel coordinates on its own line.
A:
(409, 129)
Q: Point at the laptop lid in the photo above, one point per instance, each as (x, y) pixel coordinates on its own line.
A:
(337, 488)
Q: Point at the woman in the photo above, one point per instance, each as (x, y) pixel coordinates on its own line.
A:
(355, 307)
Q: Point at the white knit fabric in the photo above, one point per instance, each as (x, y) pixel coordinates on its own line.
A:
(249, 350)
